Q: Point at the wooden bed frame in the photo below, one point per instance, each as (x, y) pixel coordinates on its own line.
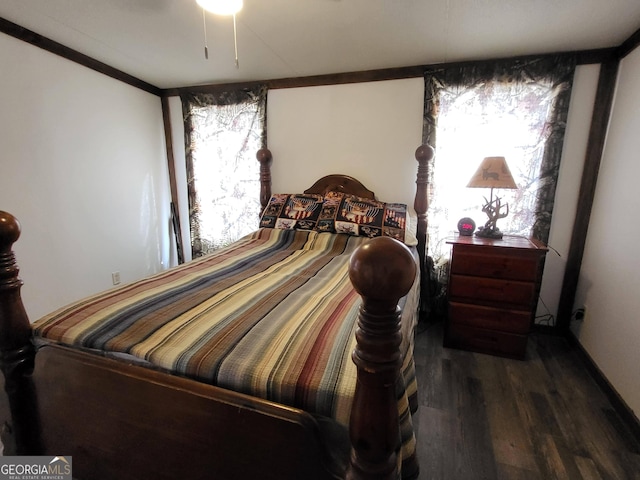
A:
(122, 421)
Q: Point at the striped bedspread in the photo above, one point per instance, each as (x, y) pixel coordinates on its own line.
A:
(272, 315)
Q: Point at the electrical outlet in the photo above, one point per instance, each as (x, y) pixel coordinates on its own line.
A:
(115, 278)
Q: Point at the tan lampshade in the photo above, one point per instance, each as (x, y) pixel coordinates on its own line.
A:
(493, 172)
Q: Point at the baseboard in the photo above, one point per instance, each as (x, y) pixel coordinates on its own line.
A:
(619, 405)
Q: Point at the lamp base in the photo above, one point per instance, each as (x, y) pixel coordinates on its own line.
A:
(485, 232)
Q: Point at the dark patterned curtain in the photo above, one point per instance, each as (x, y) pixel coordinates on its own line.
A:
(223, 132)
(517, 109)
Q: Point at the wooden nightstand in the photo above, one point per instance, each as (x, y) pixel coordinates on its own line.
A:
(493, 293)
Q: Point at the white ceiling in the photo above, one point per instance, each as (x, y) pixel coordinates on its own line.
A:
(162, 41)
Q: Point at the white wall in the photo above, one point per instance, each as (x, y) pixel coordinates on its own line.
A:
(367, 130)
(610, 274)
(84, 170)
(574, 150)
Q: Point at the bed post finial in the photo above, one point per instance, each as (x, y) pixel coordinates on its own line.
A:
(17, 352)
(424, 154)
(382, 271)
(266, 159)
(14, 325)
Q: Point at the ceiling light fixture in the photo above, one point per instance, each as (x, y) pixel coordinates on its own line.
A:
(221, 7)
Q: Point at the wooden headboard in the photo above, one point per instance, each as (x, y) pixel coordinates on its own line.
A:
(341, 183)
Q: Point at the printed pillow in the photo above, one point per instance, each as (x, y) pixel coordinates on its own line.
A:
(342, 213)
(292, 211)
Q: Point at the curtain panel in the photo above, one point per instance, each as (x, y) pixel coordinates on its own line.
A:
(223, 131)
(556, 71)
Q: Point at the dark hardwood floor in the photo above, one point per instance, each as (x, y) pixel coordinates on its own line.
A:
(485, 417)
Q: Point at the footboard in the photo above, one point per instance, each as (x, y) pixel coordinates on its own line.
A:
(124, 421)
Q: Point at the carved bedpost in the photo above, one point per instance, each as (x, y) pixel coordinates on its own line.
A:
(17, 352)
(424, 154)
(266, 159)
(382, 271)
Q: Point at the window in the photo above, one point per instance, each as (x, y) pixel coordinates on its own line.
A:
(513, 109)
(223, 134)
(500, 119)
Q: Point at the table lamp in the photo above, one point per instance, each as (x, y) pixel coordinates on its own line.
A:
(492, 173)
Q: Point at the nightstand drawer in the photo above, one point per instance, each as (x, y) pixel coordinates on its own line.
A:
(486, 341)
(514, 321)
(483, 264)
(487, 291)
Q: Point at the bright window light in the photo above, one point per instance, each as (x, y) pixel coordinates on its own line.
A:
(497, 119)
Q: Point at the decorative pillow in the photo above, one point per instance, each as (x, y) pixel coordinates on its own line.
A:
(342, 213)
(292, 211)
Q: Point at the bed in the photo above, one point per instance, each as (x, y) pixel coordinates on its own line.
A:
(122, 399)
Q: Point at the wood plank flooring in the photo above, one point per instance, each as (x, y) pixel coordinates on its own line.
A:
(485, 417)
